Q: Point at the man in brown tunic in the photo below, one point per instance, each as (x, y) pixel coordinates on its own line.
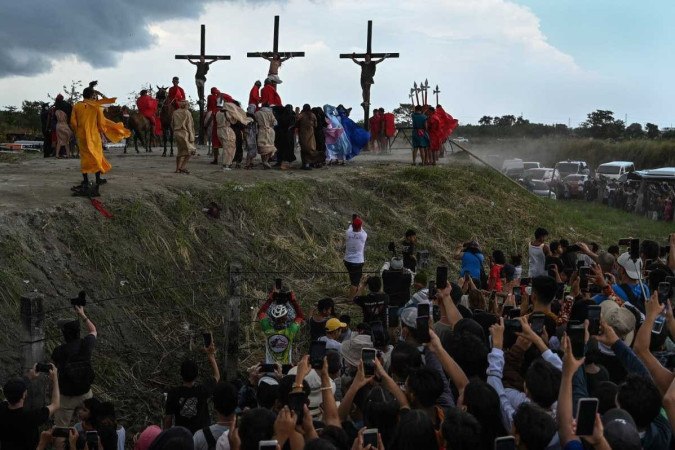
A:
(306, 124)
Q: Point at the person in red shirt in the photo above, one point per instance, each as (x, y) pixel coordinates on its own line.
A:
(147, 106)
(497, 263)
(212, 100)
(176, 93)
(269, 94)
(375, 123)
(254, 96)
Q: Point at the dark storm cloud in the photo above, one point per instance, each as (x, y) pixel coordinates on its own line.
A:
(35, 33)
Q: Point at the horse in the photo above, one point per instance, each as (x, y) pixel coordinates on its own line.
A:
(143, 130)
(165, 115)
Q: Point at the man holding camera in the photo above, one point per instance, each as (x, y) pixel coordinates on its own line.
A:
(73, 360)
(19, 429)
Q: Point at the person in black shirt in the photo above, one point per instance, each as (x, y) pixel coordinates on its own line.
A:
(409, 249)
(325, 309)
(396, 282)
(19, 429)
(374, 304)
(73, 359)
(187, 404)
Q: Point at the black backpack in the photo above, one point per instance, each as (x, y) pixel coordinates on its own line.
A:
(78, 368)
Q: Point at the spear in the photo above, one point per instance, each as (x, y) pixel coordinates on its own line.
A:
(417, 91)
(437, 91)
(426, 89)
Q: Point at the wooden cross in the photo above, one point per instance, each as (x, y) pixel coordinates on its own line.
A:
(437, 91)
(200, 89)
(275, 47)
(369, 55)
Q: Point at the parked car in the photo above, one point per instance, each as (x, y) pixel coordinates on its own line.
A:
(531, 165)
(572, 168)
(541, 189)
(548, 174)
(613, 170)
(573, 185)
(513, 167)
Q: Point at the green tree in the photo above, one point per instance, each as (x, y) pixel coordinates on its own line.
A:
(485, 121)
(602, 125)
(505, 121)
(634, 131)
(403, 114)
(652, 131)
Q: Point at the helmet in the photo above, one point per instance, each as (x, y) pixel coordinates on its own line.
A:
(396, 263)
(278, 311)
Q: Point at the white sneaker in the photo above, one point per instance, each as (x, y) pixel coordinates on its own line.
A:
(226, 168)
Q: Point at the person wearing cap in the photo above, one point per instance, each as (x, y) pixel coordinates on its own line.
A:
(176, 93)
(19, 429)
(333, 331)
(355, 245)
(629, 287)
(73, 360)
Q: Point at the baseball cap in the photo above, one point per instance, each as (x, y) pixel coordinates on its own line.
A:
(357, 223)
(334, 324)
(632, 268)
(620, 430)
(620, 318)
(409, 316)
(14, 389)
(396, 263)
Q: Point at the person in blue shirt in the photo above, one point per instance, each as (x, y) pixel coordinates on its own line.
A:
(472, 260)
(629, 286)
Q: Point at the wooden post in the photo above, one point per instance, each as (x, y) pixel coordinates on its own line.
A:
(32, 345)
(231, 325)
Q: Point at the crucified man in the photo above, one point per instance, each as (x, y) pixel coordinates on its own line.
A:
(367, 74)
(275, 62)
(200, 76)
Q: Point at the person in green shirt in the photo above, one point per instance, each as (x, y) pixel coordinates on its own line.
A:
(279, 335)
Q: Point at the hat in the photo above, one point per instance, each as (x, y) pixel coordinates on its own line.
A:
(632, 268)
(357, 223)
(620, 430)
(334, 324)
(313, 379)
(469, 326)
(147, 437)
(409, 316)
(396, 263)
(351, 348)
(14, 389)
(620, 318)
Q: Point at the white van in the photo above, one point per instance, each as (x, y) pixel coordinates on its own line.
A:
(613, 170)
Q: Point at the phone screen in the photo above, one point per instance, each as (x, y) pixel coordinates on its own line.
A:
(60, 432)
(392, 316)
(517, 293)
(377, 332)
(368, 358)
(506, 310)
(432, 291)
(576, 334)
(664, 292)
(658, 324)
(586, 411)
(267, 445)
(505, 443)
(441, 277)
(297, 402)
(423, 310)
(511, 327)
(267, 368)
(537, 323)
(207, 339)
(423, 330)
(317, 351)
(436, 313)
(593, 316)
(92, 438)
(370, 437)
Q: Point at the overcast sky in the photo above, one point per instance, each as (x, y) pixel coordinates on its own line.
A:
(552, 61)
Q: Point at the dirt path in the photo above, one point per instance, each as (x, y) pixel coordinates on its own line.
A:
(44, 183)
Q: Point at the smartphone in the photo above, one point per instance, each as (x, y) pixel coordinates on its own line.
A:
(377, 333)
(576, 333)
(368, 358)
(580, 263)
(634, 248)
(92, 439)
(537, 322)
(267, 445)
(506, 310)
(267, 368)
(43, 367)
(525, 281)
(593, 316)
(317, 351)
(441, 279)
(392, 315)
(587, 408)
(664, 292)
(505, 443)
(370, 437)
(60, 432)
(423, 330)
(624, 242)
(513, 313)
(423, 310)
(517, 293)
(658, 324)
(208, 339)
(277, 284)
(285, 368)
(432, 291)
(296, 403)
(511, 327)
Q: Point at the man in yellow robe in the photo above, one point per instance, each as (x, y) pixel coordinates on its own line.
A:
(88, 122)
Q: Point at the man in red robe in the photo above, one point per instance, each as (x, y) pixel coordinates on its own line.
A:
(176, 93)
(269, 94)
(375, 124)
(147, 106)
(212, 100)
(254, 95)
(434, 127)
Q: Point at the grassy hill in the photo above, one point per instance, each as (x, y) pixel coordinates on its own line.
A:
(157, 272)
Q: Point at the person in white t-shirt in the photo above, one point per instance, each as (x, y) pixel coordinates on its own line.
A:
(355, 243)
